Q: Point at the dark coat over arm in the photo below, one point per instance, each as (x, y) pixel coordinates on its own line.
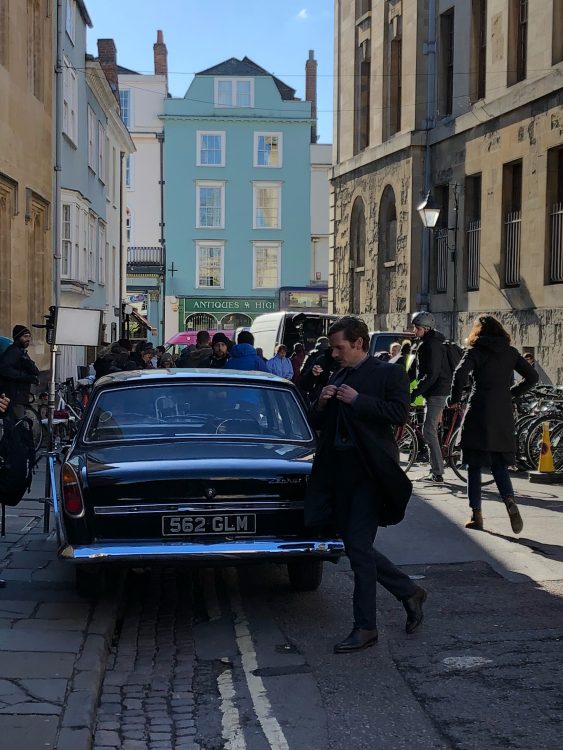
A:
(383, 401)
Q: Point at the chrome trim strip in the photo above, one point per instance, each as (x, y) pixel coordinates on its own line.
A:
(137, 509)
(57, 510)
(212, 551)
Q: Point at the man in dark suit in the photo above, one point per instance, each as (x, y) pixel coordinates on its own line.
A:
(357, 483)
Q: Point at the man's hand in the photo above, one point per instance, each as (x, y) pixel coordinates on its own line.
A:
(328, 392)
(317, 370)
(346, 394)
(4, 403)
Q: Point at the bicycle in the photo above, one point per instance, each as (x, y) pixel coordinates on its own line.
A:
(410, 440)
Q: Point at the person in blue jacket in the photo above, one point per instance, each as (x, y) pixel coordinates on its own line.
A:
(280, 364)
(243, 355)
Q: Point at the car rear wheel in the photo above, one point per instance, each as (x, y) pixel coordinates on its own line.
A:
(305, 575)
(90, 581)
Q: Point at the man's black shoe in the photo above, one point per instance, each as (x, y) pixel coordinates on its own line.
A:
(413, 608)
(358, 639)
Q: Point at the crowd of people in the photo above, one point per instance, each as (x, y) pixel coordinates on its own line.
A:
(354, 402)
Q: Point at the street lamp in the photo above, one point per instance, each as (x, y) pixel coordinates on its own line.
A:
(428, 211)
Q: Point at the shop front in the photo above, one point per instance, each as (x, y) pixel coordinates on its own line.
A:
(221, 313)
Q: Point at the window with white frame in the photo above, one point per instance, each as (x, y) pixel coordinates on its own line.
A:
(266, 205)
(125, 102)
(210, 204)
(210, 148)
(102, 250)
(70, 102)
(70, 18)
(107, 171)
(66, 244)
(266, 265)
(129, 174)
(209, 265)
(84, 219)
(101, 152)
(267, 149)
(234, 92)
(91, 248)
(114, 174)
(91, 139)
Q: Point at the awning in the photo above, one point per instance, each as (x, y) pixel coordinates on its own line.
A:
(143, 321)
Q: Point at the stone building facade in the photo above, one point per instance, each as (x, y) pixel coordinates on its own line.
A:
(26, 172)
(462, 98)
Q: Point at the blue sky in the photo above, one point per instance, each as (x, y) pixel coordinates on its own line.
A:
(276, 35)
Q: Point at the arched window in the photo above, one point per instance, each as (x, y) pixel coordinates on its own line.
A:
(358, 234)
(232, 321)
(357, 254)
(201, 322)
(387, 226)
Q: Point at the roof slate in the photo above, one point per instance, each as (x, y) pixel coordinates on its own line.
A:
(247, 67)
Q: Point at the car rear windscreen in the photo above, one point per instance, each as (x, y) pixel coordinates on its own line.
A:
(196, 410)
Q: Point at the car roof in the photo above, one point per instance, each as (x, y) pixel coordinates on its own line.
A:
(130, 377)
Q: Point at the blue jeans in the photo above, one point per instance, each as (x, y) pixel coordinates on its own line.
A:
(500, 475)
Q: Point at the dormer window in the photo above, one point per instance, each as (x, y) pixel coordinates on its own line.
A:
(234, 92)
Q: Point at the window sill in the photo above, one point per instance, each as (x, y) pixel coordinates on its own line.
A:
(390, 264)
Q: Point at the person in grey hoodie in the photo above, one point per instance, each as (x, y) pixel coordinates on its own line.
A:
(432, 371)
(244, 356)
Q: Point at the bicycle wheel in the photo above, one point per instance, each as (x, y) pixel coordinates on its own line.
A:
(456, 462)
(408, 447)
(37, 428)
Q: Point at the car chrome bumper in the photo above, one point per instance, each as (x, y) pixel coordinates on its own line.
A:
(239, 550)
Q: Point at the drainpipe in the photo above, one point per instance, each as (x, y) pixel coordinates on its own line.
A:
(430, 52)
(124, 329)
(58, 149)
(160, 139)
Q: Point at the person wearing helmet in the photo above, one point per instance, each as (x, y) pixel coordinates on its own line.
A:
(431, 370)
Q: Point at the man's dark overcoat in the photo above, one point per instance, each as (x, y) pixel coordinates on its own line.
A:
(18, 373)
(383, 401)
(488, 424)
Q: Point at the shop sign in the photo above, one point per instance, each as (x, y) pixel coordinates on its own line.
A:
(223, 305)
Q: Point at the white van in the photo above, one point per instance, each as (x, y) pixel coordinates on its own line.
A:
(289, 328)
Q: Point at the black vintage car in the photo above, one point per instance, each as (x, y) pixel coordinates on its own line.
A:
(190, 466)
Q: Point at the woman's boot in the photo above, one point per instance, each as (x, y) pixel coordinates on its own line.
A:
(476, 521)
(514, 515)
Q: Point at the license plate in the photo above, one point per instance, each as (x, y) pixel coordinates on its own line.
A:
(192, 525)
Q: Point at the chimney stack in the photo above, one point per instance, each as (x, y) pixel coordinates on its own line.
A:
(160, 57)
(311, 91)
(107, 57)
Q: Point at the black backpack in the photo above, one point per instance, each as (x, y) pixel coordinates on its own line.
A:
(454, 353)
(17, 459)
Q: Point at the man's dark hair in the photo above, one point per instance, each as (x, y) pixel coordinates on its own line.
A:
(202, 338)
(353, 328)
(245, 337)
(161, 349)
(126, 344)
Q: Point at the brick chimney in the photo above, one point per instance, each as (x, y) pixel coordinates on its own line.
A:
(107, 56)
(311, 91)
(160, 57)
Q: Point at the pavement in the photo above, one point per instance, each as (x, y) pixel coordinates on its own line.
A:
(54, 645)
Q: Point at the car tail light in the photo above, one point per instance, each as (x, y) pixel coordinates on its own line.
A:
(72, 496)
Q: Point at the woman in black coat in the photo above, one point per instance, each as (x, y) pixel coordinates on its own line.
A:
(487, 433)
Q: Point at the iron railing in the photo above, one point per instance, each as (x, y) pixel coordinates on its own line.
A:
(473, 254)
(442, 250)
(556, 250)
(145, 256)
(512, 227)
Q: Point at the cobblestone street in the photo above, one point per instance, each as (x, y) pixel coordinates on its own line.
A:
(146, 699)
